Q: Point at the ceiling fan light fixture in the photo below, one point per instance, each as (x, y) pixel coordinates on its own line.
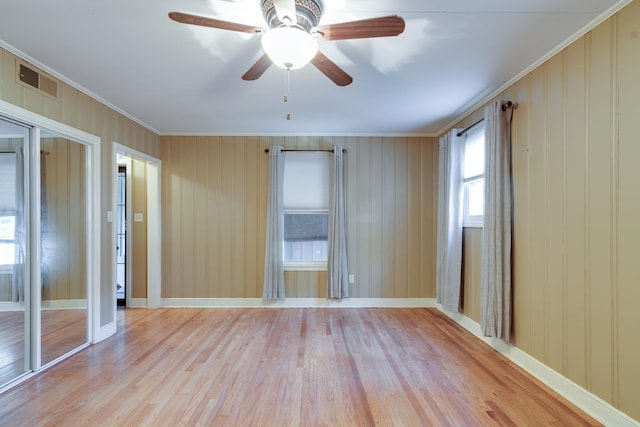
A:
(289, 47)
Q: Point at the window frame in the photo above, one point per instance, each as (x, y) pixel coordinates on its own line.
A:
(305, 265)
(296, 197)
(472, 221)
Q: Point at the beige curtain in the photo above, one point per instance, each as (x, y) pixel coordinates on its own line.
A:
(449, 226)
(273, 286)
(496, 235)
(337, 271)
(17, 288)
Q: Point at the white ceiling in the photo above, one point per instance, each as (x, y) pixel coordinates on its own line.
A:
(182, 79)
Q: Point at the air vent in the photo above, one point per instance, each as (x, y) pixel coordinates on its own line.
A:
(28, 76)
(48, 86)
(37, 80)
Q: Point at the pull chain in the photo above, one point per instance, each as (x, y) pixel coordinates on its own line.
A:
(286, 89)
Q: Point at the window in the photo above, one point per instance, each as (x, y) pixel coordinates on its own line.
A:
(473, 178)
(305, 237)
(7, 208)
(306, 210)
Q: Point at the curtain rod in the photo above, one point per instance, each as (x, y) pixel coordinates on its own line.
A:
(46, 153)
(505, 106)
(344, 150)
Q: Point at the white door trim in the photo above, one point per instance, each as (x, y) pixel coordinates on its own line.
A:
(154, 269)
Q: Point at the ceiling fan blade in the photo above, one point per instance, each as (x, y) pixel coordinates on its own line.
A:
(375, 27)
(331, 70)
(258, 68)
(286, 10)
(186, 18)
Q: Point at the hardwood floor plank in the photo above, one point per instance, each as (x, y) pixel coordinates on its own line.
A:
(287, 367)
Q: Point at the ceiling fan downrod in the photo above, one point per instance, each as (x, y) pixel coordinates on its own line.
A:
(307, 13)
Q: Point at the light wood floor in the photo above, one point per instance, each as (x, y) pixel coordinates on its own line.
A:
(287, 367)
(11, 345)
(62, 331)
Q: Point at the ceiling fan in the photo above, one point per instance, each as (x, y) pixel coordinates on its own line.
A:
(290, 41)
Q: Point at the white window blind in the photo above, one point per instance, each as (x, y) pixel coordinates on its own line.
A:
(306, 180)
(7, 207)
(473, 178)
(7, 182)
(474, 153)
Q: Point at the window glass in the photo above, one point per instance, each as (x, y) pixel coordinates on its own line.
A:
(305, 237)
(476, 198)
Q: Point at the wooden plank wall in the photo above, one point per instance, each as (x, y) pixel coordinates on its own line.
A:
(577, 202)
(214, 213)
(63, 196)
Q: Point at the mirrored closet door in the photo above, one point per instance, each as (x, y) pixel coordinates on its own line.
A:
(63, 239)
(44, 248)
(14, 291)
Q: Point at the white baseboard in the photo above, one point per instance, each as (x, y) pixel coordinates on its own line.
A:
(103, 332)
(64, 304)
(137, 303)
(11, 306)
(57, 304)
(582, 398)
(297, 303)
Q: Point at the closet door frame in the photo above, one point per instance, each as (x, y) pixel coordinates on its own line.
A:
(95, 331)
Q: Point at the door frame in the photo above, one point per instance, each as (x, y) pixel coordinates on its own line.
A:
(153, 220)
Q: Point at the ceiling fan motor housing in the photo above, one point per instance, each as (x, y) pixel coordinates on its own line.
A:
(308, 13)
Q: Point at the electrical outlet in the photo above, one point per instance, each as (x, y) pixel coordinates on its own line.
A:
(352, 278)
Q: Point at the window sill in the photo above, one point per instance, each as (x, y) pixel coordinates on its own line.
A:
(472, 224)
(6, 269)
(309, 266)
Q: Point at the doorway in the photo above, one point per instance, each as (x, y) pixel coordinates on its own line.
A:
(121, 232)
(136, 203)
